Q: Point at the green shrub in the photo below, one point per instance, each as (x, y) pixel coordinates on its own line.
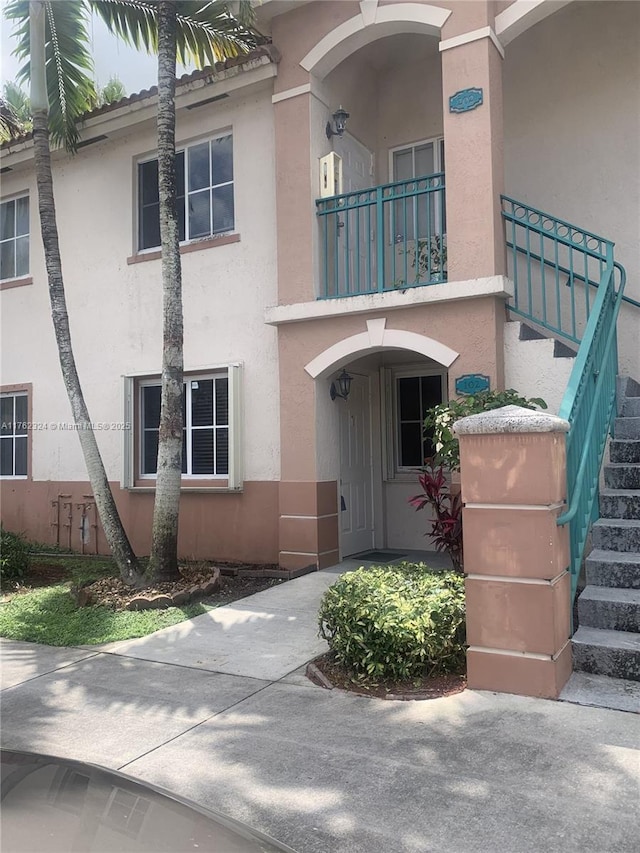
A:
(440, 419)
(396, 622)
(14, 557)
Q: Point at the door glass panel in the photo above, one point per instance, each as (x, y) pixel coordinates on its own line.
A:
(425, 164)
(402, 165)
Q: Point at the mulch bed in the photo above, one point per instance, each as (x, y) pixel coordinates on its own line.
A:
(235, 581)
(197, 583)
(329, 674)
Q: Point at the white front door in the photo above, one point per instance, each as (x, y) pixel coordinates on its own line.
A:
(356, 258)
(356, 504)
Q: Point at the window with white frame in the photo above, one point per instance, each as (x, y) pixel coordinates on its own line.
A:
(417, 161)
(13, 434)
(205, 410)
(212, 449)
(14, 238)
(413, 391)
(204, 189)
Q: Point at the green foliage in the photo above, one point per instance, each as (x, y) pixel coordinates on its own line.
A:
(440, 419)
(15, 112)
(430, 259)
(207, 32)
(68, 59)
(50, 616)
(14, 557)
(112, 92)
(396, 622)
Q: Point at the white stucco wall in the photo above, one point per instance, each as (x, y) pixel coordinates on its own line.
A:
(115, 308)
(531, 369)
(572, 131)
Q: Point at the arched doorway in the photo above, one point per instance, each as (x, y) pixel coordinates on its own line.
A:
(376, 435)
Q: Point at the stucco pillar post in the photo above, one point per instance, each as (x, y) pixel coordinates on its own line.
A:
(474, 169)
(516, 558)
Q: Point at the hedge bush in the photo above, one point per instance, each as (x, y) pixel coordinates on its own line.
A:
(396, 622)
(14, 557)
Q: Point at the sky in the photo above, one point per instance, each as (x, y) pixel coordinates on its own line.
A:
(136, 70)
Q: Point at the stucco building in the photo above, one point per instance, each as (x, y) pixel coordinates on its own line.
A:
(405, 280)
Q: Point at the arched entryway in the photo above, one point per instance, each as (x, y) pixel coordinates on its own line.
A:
(373, 441)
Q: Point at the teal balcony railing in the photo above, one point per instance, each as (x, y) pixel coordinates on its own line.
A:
(384, 238)
(567, 281)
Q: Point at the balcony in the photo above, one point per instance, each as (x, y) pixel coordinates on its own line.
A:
(384, 238)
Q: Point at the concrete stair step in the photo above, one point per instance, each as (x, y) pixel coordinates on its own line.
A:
(620, 503)
(624, 450)
(626, 428)
(613, 569)
(600, 691)
(631, 407)
(622, 475)
(611, 608)
(603, 652)
(616, 534)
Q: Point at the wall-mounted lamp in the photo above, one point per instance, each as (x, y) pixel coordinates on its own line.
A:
(340, 120)
(341, 386)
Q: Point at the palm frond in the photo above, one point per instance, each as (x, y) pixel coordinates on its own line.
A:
(207, 31)
(70, 89)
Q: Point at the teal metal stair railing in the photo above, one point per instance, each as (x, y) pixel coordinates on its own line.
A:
(383, 238)
(567, 281)
(549, 262)
(589, 404)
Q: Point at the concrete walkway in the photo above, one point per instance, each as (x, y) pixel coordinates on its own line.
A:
(218, 710)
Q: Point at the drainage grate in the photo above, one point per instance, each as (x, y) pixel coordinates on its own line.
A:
(378, 556)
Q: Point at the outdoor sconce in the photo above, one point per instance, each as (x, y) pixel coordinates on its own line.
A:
(340, 120)
(341, 386)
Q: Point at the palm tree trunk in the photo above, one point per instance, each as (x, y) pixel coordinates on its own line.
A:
(105, 504)
(163, 564)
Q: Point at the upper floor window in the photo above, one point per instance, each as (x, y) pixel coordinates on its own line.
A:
(13, 435)
(14, 238)
(204, 189)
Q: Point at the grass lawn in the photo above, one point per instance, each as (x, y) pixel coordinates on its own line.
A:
(48, 614)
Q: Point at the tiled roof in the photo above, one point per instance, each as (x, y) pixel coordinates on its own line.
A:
(266, 50)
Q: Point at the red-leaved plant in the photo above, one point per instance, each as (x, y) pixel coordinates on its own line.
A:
(446, 526)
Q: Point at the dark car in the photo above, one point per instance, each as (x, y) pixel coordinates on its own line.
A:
(50, 805)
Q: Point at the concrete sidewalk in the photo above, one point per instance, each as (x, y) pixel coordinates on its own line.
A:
(324, 771)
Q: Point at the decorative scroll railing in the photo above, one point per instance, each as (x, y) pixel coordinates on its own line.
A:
(389, 237)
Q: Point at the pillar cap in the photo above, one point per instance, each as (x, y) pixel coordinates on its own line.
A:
(510, 419)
